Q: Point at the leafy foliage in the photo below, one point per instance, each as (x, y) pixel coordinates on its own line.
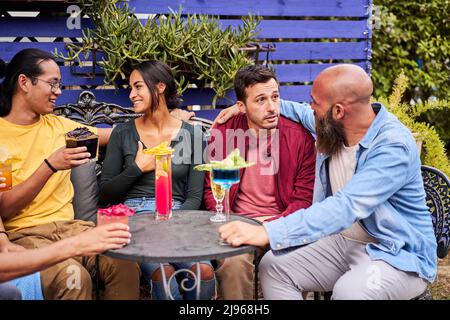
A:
(434, 153)
(414, 36)
(195, 47)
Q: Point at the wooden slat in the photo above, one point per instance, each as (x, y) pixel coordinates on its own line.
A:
(294, 29)
(283, 50)
(303, 72)
(71, 79)
(40, 27)
(191, 97)
(296, 93)
(27, 5)
(310, 29)
(208, 114)
(312, 8)
(317, 51)
(9, 49)
(285, 73)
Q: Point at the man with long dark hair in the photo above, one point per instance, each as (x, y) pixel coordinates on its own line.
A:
(38, 210)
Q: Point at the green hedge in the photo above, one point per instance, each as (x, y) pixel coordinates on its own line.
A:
(414, 36)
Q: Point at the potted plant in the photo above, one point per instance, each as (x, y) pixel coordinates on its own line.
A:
(434, 153)
(197, 49)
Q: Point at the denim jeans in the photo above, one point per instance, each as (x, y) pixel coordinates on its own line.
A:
(29, 286)
(207, 287)
(8, 291)
(141, 205)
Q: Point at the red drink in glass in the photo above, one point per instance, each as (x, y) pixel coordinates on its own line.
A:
(163, 186)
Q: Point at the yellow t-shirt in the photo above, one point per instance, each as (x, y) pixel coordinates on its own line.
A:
(31, 144)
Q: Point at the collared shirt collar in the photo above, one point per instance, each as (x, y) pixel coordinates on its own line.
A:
(376, 125)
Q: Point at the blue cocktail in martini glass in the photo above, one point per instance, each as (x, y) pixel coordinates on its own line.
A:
(225, 178)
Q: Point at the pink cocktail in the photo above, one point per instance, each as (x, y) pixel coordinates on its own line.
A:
(102, 219)
(163, 186)
(115, 214)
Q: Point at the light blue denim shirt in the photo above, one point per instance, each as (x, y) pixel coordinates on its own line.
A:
(386, 195)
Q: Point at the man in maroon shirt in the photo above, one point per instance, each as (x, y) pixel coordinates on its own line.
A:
(282, 179)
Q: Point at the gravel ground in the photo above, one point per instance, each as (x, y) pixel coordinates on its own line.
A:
(441, 287)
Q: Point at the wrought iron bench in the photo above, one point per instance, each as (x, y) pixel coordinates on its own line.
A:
(88, 111)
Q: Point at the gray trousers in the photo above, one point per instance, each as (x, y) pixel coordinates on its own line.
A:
(335, 264)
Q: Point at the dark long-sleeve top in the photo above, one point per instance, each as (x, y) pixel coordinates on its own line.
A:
(122, 179)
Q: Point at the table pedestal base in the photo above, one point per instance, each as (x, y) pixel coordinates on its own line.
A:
(195, 275)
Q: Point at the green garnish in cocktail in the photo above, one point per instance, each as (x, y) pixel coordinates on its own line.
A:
(233, 161)
(224, 174)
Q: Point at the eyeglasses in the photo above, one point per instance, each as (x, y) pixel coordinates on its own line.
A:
(54, 85)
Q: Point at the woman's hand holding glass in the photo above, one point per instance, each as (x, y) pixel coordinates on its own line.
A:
(145, 162)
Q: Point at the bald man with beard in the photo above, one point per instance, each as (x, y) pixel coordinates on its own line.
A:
(368, 234)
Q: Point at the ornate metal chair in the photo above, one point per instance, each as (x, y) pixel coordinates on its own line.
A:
(437, 189)
(88, 111)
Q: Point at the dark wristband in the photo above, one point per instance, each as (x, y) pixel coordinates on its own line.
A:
(4, 233)
(50, 166)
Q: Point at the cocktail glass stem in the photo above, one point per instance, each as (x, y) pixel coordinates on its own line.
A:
(227, 204)
(219, 206)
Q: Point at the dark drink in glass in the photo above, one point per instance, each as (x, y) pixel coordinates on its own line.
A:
(82, 137)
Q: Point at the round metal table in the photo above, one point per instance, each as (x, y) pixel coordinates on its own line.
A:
(187, 236)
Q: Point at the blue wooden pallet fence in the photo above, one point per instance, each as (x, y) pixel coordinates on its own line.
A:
(309, 35)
